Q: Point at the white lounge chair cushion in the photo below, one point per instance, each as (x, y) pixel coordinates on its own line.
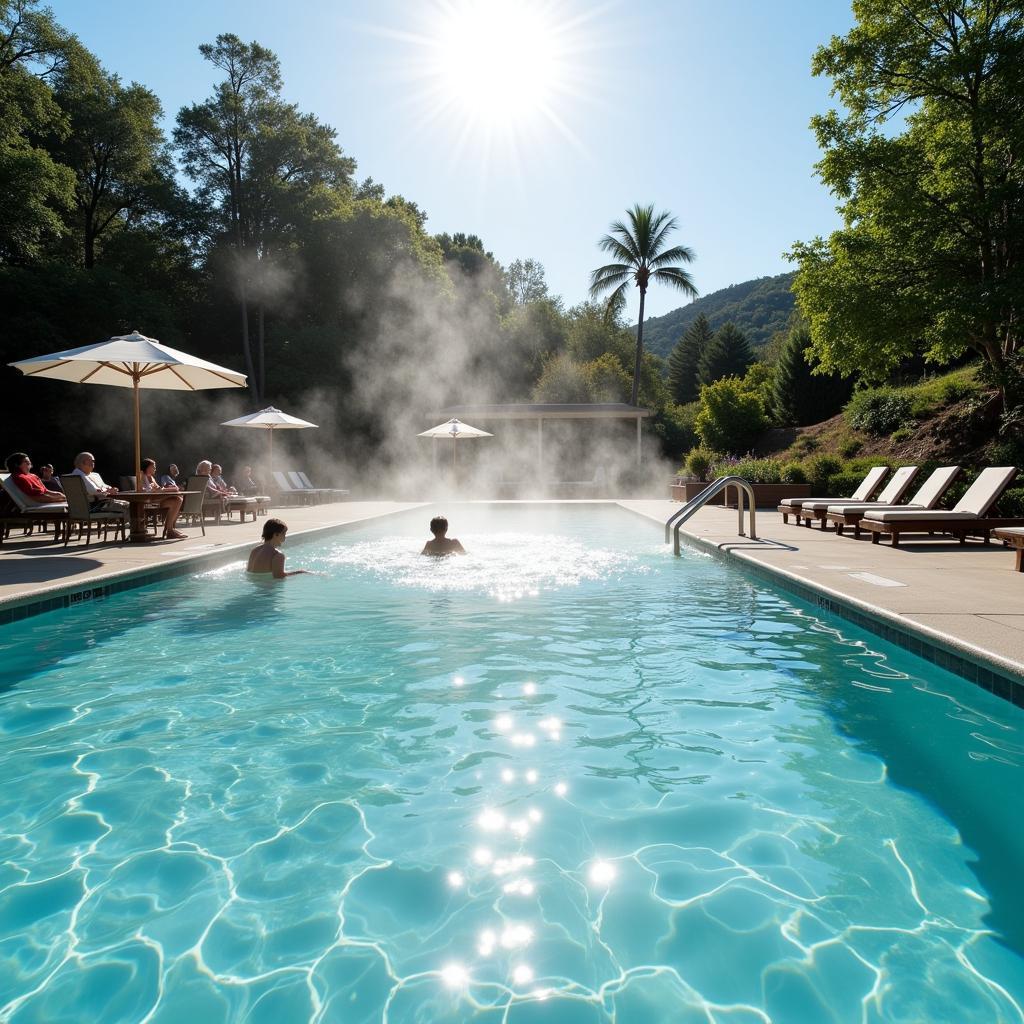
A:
(897, 515)
(869, 507)
(1017, 531)
(929, 493)
(800, 502)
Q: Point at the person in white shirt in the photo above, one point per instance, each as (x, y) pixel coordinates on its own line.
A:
(101, 495)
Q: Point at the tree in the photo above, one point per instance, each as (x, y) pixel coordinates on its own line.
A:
(642, 258)
(34, 188)
(525, 281)
(799, 395)
(562, 380)
(930, 255)
(261, 167)
(730, 416)
(115, 147)
(684, 360)
(728, 355)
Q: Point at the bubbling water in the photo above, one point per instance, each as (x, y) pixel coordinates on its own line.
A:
(505, 566)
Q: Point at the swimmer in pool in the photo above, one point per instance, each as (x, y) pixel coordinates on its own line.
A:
(268, 557)
(441, 544)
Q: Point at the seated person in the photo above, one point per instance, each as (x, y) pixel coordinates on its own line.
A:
(217, 479)
(164, 496)
(51, 481)
(441, 544)
(172, 476)
(101, 494)
(203, 469)
(19, 465)
(268, 556)
(249, 484)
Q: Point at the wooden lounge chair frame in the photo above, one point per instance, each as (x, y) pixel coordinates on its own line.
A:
(892, 494)
(963, 521)
(868, 486)
(852, 515)
(1014, 538)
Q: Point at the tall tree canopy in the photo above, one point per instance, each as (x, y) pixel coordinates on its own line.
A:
(684, 360)
(928, 164)
(727, 355)
(639, 248)
(798, 396)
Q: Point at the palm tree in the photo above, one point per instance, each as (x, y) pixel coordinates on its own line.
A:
(642, 258)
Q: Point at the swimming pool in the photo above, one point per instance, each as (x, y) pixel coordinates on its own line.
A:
(566, 778)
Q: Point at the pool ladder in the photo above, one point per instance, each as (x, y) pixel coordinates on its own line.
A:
(676, 520)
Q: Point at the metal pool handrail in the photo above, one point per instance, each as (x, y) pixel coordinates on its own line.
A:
(680, 516)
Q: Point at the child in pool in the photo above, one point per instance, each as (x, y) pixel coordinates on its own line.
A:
(268, 557)
(441, 545)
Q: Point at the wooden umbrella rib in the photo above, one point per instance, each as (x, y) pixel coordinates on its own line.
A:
(182, 379)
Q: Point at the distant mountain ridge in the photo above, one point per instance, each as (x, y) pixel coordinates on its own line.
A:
(758, 308)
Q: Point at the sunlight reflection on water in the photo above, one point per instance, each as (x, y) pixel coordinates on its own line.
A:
(504, 566)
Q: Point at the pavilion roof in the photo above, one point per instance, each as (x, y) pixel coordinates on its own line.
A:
(547, 410)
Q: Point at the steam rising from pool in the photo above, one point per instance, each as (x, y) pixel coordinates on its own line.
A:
(504, 566)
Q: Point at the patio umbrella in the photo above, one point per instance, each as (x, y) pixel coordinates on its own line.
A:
(270, 419)
(455, 429)
(132, 361)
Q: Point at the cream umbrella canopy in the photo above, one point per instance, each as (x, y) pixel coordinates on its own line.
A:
(455, 429)
(132, 361)
(270, 419)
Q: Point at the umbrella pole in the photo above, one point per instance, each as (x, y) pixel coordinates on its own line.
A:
(138, 434)
(270, 431)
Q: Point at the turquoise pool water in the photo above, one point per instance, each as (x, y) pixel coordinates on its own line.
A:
(567, 778)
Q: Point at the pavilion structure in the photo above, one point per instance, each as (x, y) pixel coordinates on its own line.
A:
(542, 412)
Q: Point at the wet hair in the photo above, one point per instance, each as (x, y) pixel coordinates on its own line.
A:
(14, 461)
(438, 525)
(146, 463)
(272, 527)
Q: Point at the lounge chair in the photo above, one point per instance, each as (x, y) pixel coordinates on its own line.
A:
(969, 517)
(291, 494)
(81, 513)
(29, 513)
(789, 506)
(338, 491)
(927, 496)
(318, 494)
(892, 494)
(1014, 537)
(192, 504)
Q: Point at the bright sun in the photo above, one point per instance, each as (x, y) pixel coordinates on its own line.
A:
(498, 60)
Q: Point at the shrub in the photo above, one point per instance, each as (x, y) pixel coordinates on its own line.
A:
(850, 447)
(675, 425)
(820, 469)
(903, 434)
(845, 482)
(757, 471)
(793, 473)
(1011, 504)
(699, 463)
(806, 443)
(879, 411)
(730, 416)
(956, 389)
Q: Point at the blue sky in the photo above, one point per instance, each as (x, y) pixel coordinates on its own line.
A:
(699, 106)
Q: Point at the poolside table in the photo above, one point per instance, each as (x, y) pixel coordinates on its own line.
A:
(138, 532)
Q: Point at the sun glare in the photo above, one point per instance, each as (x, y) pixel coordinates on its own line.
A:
(497, 59)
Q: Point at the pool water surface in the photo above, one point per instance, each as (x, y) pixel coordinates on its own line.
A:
(566, 778)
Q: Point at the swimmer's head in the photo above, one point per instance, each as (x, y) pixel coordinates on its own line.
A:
(273, 527)
(439, 526)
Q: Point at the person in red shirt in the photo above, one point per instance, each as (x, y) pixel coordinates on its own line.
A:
(19, 465)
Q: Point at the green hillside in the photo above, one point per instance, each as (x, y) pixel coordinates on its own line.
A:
(759, 308)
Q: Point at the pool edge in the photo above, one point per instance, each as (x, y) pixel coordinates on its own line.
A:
(983, 668)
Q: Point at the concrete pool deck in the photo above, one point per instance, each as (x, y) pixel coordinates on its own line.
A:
(960, 606)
